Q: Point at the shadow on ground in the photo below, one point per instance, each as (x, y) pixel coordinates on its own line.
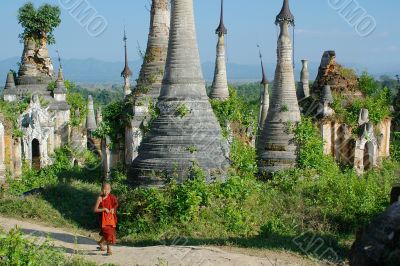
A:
(75, 204)
(63, 237)
(308, 244)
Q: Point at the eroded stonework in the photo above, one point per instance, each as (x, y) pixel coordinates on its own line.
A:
(37, 126)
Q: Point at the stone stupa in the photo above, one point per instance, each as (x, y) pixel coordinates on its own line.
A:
(148, 84)
(278, 148)
(186, 132)
(219, 88)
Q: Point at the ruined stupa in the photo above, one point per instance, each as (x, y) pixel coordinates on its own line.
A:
(279, 150)
(219, 89)
(342, 81)
(148, 85)
(186, 131)
(36, 66)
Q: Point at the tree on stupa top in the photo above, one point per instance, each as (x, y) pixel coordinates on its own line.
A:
(39, 23)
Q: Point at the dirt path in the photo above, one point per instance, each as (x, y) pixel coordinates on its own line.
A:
(155, 255)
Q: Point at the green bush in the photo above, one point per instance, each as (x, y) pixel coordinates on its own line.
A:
(235, 109)
(377, 100)
(15, 249)
(61, 170)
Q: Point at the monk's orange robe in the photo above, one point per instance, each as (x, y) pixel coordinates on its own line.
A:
(109, 232)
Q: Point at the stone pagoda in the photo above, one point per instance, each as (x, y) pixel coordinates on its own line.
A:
(219, 88)
(126, 72)
(186, 132)
(278, 150)
(147, 90)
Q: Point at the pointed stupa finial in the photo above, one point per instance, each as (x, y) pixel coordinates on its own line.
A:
(221, 30)
(127, 72)
(60, 87)
(264, 77)
(285, 14)
(59, 59)
(10, 82)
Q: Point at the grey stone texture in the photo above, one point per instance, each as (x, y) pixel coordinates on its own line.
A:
(152, 70)
(304, 84)
(150, 77)
(10, 82)
(90, 118)
(36, 66)
(186, 131)
(279, 150)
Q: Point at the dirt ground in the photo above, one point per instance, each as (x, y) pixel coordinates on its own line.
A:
(155, 255)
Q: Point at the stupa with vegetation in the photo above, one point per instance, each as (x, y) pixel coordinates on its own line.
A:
(353, 114)
(277, 148)
(143, 99)
(186, 132)
(38, 114)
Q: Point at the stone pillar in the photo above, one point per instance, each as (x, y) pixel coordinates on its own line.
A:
(186, 130)
(279, 150)
(106, 157)
(2, 154)
(90, 117)
(304, 79)
(326, 133)
(134, 135)
(17, 157)
(99, 116)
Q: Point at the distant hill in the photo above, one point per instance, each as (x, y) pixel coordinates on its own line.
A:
(94, 71)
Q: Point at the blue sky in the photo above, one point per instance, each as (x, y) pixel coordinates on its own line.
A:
(250, 22)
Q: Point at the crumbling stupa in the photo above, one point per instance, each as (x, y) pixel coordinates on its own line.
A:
(219, 89)
(278, 151)
(186, 132)
(148, 86)
(153, 66)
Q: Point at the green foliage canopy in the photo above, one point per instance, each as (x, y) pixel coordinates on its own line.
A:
(39, 23)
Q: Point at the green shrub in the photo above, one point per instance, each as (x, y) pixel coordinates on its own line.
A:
(235, 109)
(15, 249)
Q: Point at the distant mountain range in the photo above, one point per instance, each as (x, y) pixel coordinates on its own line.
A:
(94, 71)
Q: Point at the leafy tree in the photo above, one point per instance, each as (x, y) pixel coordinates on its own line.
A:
(40, 23)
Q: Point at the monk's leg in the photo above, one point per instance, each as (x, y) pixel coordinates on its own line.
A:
(101, 243)
(109, 252)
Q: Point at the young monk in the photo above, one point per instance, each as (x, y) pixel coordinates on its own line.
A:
(106, 206)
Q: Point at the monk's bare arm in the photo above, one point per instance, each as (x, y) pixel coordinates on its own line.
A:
(96, 208)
